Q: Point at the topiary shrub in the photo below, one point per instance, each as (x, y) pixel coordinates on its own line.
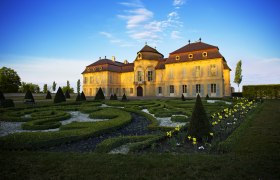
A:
(112, 97)
(99, 95)
(115, 97)
(67, 94)
(78, 98)
(2, 97)
(199, 124)
(183, 97)
(48, 96)
(207, 97)
(83, 97)
(124, 97)
(29, 97)
(59, 96)
(7, 103)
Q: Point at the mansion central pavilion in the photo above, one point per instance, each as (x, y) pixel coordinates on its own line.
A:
(196, 68)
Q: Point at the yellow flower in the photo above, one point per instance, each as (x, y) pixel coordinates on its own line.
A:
(194, 142)
(169, 134)
(220, 117)
(211, 134)
(194, 139)
(189, 137)
(177, 128)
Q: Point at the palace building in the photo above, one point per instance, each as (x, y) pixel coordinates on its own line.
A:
(196, 68)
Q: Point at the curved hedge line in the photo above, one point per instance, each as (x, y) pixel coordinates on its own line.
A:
(68, 133)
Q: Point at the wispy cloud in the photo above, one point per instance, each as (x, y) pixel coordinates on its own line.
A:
(112, 39)
(175, 35)
(178, 2)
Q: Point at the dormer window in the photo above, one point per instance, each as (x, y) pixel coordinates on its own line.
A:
(204, 54)
(139, 56)
(190, 56)
(177, 58)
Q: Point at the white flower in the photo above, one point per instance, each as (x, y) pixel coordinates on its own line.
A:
(200, 147)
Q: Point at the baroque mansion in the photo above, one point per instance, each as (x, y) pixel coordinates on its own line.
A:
(196, 68)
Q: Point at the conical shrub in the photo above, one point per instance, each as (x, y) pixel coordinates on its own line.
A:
(207, 97)
(112, 97)
(124, 97)
(99, 95)
(83, 97)
(2, 97)
(78, 98)
(28, 96)
(48, 96)
(59, 96)
(67, 94)
(115, 97)
(199, 125)
(183, 97)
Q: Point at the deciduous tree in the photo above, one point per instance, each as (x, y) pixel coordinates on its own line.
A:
(9, 80)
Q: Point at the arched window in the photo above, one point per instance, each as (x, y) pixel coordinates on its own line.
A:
(190, 56)
(139, 56)
(204, 54)
(177, 58)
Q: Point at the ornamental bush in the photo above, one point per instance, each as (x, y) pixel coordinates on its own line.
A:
(7, 103)
(207, 97)
(48, 96)
(59, 96)
(29, 97)
(115, 97)
(67, 94)
(83, 97)
(124, 97)
(199, 124)
(112, 97)
(78, 98)
(2, 97)
(183, 97)
(99, 95)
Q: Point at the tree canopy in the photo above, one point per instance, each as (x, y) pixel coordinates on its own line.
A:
(9, 80)
(34, 88)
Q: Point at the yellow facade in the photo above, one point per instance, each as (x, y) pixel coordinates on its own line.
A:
(196, 68)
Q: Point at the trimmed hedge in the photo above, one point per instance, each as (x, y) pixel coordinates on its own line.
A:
(179, 119)
(59, 96)
(48, 96)
(262, 91)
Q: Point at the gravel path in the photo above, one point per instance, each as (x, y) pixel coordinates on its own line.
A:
(138, 126)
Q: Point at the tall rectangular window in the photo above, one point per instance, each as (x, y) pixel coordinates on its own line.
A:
(160, 90)
(184, 73)
(197, 88)
(197, 71)
(185, 89)
(91, 79)
(150, 75)
(213, 70)
(123, 90)
(171, 74)
(171, 88)
(139, 76)
(131, 90)
(213, 88)
(85, 80)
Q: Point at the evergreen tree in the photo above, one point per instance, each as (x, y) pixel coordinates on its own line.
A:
(78, 86)
(28, 96)
(124, 97)
(183, 97)
(54, 86)
(207, 97)
(83, 97)
(2, 97)
(67, 94)
(78, 98)
(238, 74)
(45, 88)
(199, 124)
(99, 95)
(48, 96)
(115, 97)
(59, 96)
(112, 97)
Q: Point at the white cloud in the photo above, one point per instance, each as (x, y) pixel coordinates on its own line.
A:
(135, 3)
(178, 2)
(114, 40)
(106, 34)
(175, 35)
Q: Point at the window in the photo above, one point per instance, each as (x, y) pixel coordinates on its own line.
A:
(171, 89)
(160, 90)
(91, 79)
(139, 56)
(111, 78)
(198, 88)
(171, 74)
(213, 70)
(190, 56)
(131, 90)
(123, 90)
(213, 88)
(204, 54)
(184, 72)
(177, 58)
(85, 80)
(184, 88)
(117, 91)
(139, 76)
(197, 71)
(150, 75)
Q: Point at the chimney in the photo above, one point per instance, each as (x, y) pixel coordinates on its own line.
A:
(189, 41)
(199, 39)
(113, 58)
(99, 58)
(105, 57)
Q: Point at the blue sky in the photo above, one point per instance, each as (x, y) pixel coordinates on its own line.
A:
(55, 39)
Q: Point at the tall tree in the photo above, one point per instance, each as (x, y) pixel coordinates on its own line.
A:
(9, 80)
(54, 86)
(45, 89)
(78, 86)
(68, 84)
(34, 88)
(238, 74)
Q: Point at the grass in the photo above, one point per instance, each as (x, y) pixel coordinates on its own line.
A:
(254, 154)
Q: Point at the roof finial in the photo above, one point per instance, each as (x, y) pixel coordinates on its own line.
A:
(105, 57)
(199, 39)
(146, 43)
(189, 41)
(99, 58)
(155, 47)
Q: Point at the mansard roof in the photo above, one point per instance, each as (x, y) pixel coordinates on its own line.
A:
(149, 53)
(197, 46)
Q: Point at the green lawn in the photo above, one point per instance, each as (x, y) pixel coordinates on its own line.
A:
(254, 155)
